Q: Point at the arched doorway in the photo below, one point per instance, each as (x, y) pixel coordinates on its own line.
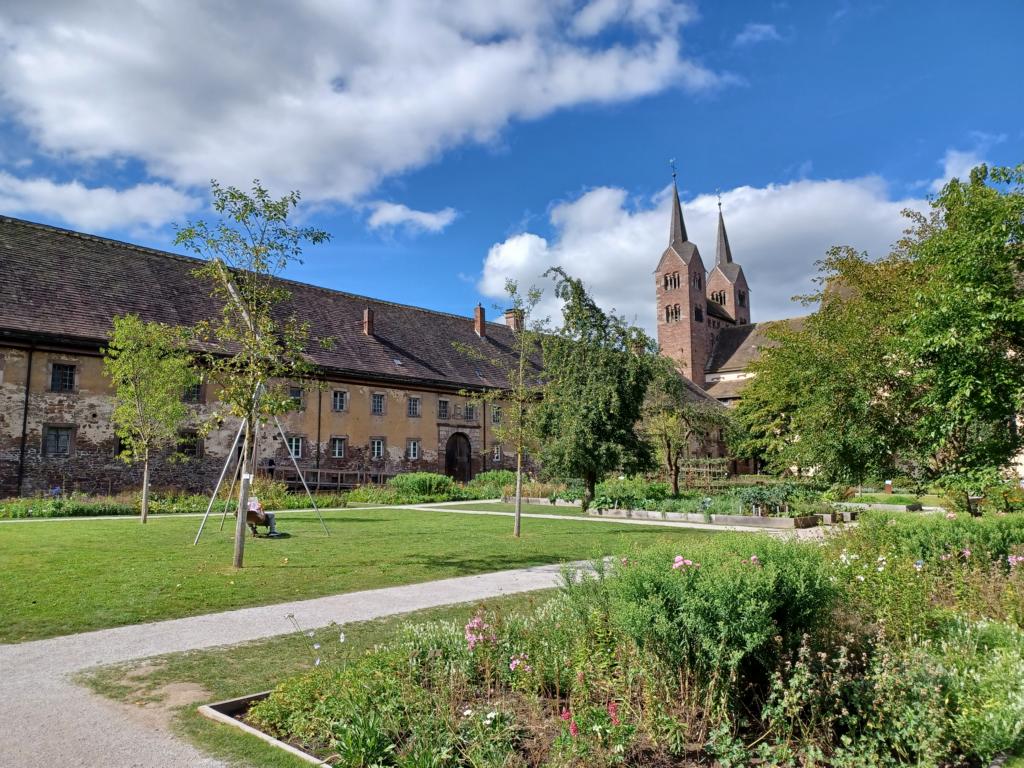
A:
(457, 458)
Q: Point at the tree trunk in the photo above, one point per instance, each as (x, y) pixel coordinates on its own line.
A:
(519, 493)
(675, 477)
(145, 487)
(243, 502)
(589, 483)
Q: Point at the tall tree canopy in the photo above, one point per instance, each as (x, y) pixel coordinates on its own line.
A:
(914, 363)
(597, 368)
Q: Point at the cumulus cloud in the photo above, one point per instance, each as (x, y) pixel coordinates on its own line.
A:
(395, 214)
(144, 206)
(957, 163)
(777, 233)
(756, 33)
(195, 90)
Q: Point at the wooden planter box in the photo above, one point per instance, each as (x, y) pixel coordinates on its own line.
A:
(750, 521)
(228, 712)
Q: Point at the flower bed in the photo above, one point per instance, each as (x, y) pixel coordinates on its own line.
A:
(738, 650)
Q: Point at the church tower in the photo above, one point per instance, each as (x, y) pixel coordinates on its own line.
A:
(727, 284)
(682, 307)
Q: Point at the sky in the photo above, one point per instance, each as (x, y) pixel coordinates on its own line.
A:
(448, 145)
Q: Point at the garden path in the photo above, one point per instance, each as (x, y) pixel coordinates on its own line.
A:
(48, 720)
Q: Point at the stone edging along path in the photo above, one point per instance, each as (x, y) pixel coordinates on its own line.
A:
(48, 720)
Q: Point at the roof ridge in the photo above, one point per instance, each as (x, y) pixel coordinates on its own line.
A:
(89, 237)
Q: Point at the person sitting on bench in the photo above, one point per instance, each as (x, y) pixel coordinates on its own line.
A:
(256, 516)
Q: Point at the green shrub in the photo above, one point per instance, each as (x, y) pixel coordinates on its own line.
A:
(929, 537)
(628, 493)
(492, 484)
(420, 484)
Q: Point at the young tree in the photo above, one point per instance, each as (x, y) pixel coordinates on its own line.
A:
(596, 371)
(522, 373)
(255, 347)
(150, 368)
(674, 418)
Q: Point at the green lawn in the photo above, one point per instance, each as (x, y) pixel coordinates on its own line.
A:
(533, 509)
(67, 576)
(225, 673)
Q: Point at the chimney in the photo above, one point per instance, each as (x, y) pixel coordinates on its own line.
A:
(478, 321)
(514, 319)
(368, 321)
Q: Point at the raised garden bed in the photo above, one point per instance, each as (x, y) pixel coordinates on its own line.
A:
(751, 521)
(231, 712)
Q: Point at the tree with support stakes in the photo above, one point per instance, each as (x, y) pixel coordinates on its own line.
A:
(150, 367)
(515, 403)
(253, 349)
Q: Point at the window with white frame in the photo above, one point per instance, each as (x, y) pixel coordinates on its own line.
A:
(496, 453)
(442, 409)
(295, 447)
(470, 412)
(412, 449)
(339, 400)
(496, 414)
(377, 447)
(413, 408)
(338, 447)
(377, 403)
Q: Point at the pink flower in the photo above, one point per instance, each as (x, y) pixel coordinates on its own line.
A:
(1015, 560)
(681, 562)
(951, 515)
(574, 729)
(755, 560)
(613, 712)
(965, 552)
(945, 556)
(625, 561)
(566, 714)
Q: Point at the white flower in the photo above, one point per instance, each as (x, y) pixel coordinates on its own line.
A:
(316, 646)
(316, 663)
(860, 578)
(491, 715)
(311, 633)
(341, 638)
(467, 713)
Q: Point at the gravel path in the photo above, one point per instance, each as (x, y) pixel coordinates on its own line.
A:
(47, 720)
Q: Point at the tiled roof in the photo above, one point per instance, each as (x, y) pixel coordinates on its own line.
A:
(727, 390)
(717, 310)
(59, 284)
(736, 347)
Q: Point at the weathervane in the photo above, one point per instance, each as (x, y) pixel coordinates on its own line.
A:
(672, 165)
(718, 192)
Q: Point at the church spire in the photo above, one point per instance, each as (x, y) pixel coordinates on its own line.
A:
(678, 234)
(723, 254)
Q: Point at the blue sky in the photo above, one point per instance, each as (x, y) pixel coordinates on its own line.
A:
(449, 146)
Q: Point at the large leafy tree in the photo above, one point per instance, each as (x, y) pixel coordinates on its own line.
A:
(150, 367)
(914, 363)
(256, 346)
(521, 371)
(597, 369)
(964, 335)
(675, 420)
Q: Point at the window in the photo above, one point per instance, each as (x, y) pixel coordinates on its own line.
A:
(193, 393)
(295, 393)
(697, 280)
(442, 409)
(339, 400)
(698, 314)
(413, 408)
(412, 449)
(496, 453)
(496, 414)
(62, 378)
(377, 404)
(57, 440)
(190, 444)
(377, 447)
(338, 447)
(742, 299)
(295, 447)
(470, 412)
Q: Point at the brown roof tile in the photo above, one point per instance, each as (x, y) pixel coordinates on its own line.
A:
(66, 285)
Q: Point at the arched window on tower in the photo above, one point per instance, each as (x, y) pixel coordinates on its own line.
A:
(698, 314)
(742, 299)
(668, 314)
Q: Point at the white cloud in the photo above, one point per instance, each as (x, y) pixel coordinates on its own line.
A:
(395, 214)
(327, 96)
(95, 208)
(756, 33)
(776, 232)
(957, 163)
